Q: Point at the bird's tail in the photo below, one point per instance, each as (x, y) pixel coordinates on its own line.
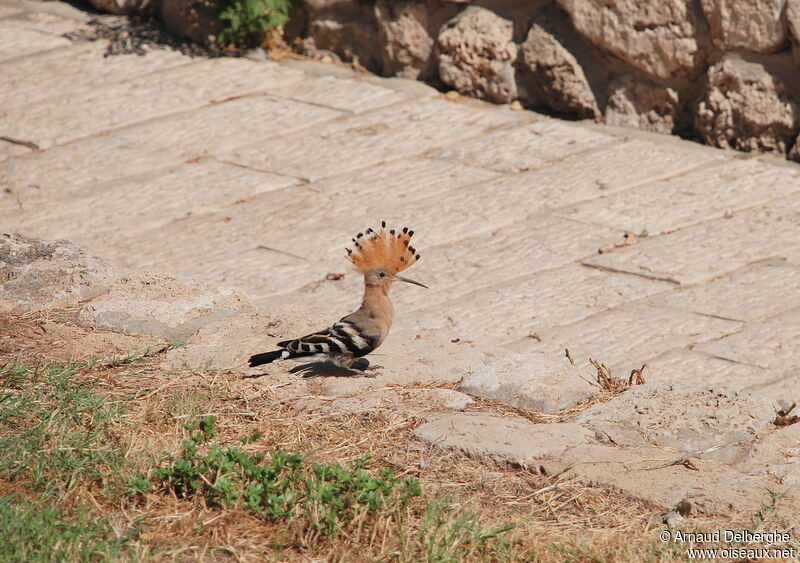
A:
(265, 358)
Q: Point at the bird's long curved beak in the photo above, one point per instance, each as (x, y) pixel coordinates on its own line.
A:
(401, 278)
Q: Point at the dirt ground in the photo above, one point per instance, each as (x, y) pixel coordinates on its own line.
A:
(549, 517)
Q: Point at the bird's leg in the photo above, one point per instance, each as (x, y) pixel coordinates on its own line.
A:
(361, 366)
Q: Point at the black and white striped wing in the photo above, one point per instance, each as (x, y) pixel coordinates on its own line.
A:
(343, 338)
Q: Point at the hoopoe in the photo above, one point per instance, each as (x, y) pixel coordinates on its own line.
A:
(379, 256)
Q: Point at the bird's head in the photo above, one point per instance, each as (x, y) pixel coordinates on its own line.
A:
(381, 255)
(380, 277)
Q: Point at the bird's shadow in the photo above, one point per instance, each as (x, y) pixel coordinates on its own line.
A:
(328, 369)
(324, 369)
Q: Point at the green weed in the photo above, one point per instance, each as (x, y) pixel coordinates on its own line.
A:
(247, 20)
(284, 486)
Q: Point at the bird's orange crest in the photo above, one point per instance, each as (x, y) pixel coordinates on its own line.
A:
(390, 250)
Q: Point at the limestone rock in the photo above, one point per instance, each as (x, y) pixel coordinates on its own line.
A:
(657, 476)
(502, 438)
(406, 44)
(195, 20)
(42, 274)
(692, 418)
(755, 25)
(793, 23)
(555, 76)
(746, 108)
(349, 30)
(535, 381)
(161, 304)
(794, 152)
(633, 102)
(477, 53)
(777, 455)
(658, 38)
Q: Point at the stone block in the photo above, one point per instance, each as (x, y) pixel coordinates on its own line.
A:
(512, 440)
(713, 248)
(685, 199)
(47, 274)
(57, 122)
(160, 304)
(531, 381)
(659, 39)
(525, 147)
(369, 139)
(626, 337)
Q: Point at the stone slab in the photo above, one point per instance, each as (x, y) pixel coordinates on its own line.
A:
(503, 438)
(7, 10)
(524, 147)
(8, 150)
(681, 364)
(51, 74)
(238, 228)
(689, 416)
(598, 172)
(649, 474)
(47, 274)
(690, 198)
(47, 21)
(476, 262)
(343, 94)
(532, 381)
(532, 304)
(760, 290)
(369, 139)
(57, 122)
(626, 337)
(776, 455)
(18, 42)
(135, 211)
(773, 343)
(710, 249)
(168, 141)
(161, 305)
(791, 255)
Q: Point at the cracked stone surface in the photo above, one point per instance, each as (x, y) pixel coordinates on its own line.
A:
(536, 235)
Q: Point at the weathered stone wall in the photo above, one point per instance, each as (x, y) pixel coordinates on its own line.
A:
(724, 71)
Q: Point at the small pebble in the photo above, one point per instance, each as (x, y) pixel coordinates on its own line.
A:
(672, 519)
(257, 54)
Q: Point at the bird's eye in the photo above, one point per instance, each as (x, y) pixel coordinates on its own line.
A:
(382, 274)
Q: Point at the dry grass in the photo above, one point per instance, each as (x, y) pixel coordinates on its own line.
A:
(551, 518)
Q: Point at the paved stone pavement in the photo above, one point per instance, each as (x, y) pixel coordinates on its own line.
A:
(256, 174)
(536, 234)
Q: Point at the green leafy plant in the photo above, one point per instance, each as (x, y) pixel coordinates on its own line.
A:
(247, 20)
(282, 486)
